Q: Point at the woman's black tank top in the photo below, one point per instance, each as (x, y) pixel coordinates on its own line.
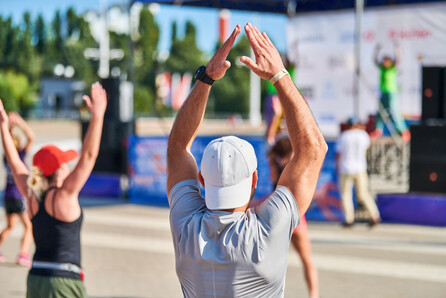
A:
(56, 241)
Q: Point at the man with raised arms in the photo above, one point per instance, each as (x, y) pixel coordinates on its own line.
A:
(222, 247)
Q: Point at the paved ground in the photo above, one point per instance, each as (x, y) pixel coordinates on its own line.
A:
(127, 252)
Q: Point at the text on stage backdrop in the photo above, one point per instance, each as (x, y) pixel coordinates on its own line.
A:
(322, 43)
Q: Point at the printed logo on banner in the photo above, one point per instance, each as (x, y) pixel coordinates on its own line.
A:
(334, 62)
(368, 36)
(409, 34)
(329, 91)
(305, 63)
(307, 92)
(314, 38)
(347, 37)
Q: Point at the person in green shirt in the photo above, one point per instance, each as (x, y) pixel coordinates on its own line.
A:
(389, 91)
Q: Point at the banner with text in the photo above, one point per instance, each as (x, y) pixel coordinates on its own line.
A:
(322, 44)
(147, 175)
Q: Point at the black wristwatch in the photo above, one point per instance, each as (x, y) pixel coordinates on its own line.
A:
(201, 75)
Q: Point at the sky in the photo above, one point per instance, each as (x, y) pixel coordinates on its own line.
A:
(205, 19)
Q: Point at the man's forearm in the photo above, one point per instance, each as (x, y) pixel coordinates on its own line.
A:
(305, 135)
(189, 117)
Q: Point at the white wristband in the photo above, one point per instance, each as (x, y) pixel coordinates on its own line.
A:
(278, 76)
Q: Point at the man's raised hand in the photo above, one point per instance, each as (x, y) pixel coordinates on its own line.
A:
(268, 61)
(217, 66)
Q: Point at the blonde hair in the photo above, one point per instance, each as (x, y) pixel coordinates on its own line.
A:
(17, 141)
(36, 182)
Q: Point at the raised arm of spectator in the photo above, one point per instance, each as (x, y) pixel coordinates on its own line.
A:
(18, 168)
(309, 146)
(376, 54)
(90, 146)
(17, 120)
(181, 164)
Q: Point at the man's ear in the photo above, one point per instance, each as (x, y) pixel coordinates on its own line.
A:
(255, 178)
(200, 178)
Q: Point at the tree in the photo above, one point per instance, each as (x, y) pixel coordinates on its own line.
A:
(72, 22)
(79, 38)
(17, 91)
(6, 94)
(185, 56)
(10, 48)
(26, 58)
(40, 35)
(57, 42)
(145, 62)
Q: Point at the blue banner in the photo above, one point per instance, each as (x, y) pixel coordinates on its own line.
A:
(147, 167)
(147, 173)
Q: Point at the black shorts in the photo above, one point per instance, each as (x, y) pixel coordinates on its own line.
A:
(15, 206)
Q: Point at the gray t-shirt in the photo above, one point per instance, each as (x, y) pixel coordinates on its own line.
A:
(231, 254)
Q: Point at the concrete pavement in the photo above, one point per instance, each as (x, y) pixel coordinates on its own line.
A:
(128, 252)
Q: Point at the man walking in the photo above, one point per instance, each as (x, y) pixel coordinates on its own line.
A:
(351, 163)
(222, 248)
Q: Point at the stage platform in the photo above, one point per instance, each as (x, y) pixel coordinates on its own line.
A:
(413, 208)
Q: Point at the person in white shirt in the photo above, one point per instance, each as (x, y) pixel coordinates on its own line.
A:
(351, 164)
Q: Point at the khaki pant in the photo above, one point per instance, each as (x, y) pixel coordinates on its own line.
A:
(362, 191)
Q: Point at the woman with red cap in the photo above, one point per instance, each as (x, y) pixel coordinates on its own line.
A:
(52, 193)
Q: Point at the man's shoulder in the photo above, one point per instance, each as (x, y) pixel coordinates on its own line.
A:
(184, 188)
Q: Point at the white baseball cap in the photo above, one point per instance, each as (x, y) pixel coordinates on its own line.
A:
(227, 167)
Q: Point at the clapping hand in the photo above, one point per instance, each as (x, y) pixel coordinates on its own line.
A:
(217, 66)
(15, 119)
(268, 61)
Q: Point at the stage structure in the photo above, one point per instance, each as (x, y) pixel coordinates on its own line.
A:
(335, 71)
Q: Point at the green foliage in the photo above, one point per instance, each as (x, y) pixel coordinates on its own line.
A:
(231, 94)
(6, 95)
(10, 44)
(144, 100)
(30, 50)
(15, 89)
(40, 35)
(145, 62)
(120, 41)
(56, 52)
(185, 56)
(26, 56)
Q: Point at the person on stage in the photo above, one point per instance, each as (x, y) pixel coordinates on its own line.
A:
(15, 203)
(52, 191)
(389, 94)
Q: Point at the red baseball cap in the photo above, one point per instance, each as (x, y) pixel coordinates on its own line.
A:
(49, 158)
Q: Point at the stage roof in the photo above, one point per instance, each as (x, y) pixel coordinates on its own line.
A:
(285, 6)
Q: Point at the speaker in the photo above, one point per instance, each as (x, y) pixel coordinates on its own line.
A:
(433, 93)
(428, 158)
(111, 86)
(112, 156)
